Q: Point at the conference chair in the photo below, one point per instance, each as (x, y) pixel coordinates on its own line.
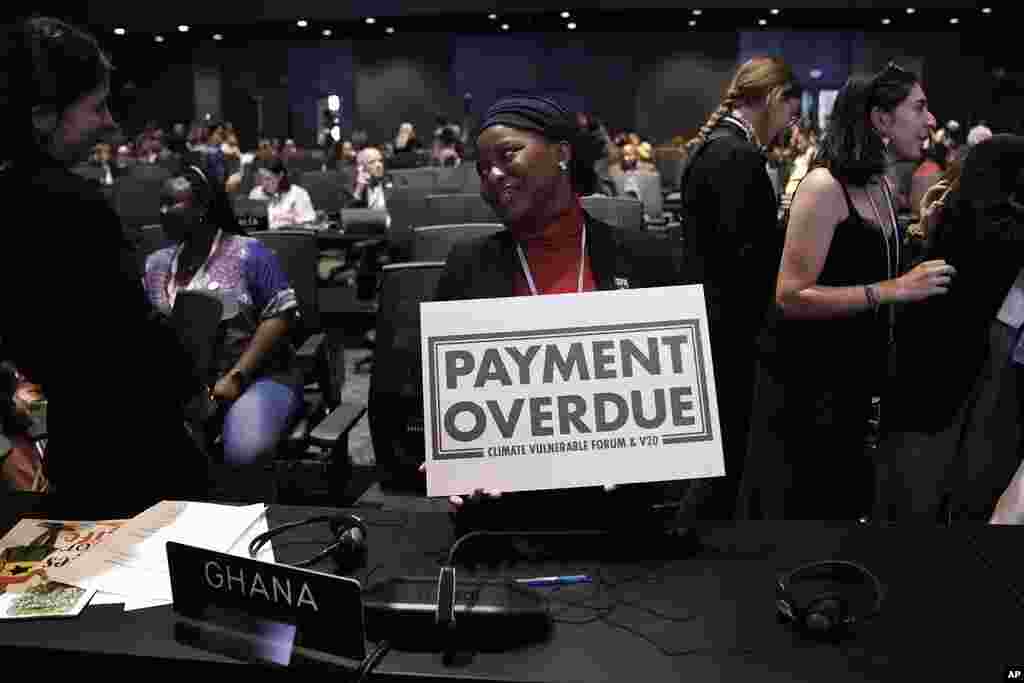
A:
(462, 179)
(302, 164)
(320, 355)
(669, 161)
(137, 201)
(396, 401)
(434, 242)
(448, 209)
(326, 190)
(422, 179)
(196, 318)
(407, 208)
(89, 172)
(151, 239)
(622, 212)
(649, 186)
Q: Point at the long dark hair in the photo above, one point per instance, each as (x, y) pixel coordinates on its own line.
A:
(851, 148)
(48, 63)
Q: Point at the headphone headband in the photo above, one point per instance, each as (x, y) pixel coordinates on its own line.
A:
(840, 570)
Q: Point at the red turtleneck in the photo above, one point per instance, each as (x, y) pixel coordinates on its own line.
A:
(554, 257)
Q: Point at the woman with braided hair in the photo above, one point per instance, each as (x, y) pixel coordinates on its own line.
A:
(732, 243)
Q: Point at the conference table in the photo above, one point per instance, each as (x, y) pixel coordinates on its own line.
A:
(697, 607)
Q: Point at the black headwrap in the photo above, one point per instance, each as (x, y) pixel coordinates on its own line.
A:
(541, 115)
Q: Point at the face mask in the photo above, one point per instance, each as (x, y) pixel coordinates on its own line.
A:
(179, 225)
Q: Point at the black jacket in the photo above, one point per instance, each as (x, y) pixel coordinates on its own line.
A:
(486, 268)
(77, 321)
(942, 342)
(732, 240)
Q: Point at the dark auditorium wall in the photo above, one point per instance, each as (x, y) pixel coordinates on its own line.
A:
(405, 78)
(680, 80)
(589, 72)
(314, 72)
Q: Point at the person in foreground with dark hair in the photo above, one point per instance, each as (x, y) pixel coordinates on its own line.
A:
(260, 383)
(956, 439)
(532, 173)
(824, 355)
(116, 379)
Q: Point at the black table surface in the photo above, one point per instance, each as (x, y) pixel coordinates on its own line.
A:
(951, 611)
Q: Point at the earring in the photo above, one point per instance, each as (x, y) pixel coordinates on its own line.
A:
(563, 167)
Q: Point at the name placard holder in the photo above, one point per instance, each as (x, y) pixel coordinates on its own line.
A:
(268, 611)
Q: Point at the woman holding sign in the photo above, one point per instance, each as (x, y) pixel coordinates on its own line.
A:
(533, 168)
(825, 355)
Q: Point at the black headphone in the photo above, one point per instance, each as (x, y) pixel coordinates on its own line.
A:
(827, 614)
(201, 188)
(348, 548)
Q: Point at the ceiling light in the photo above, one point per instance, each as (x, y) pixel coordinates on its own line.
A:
(954, 20)
(693, 22)
(302, 23)
(886, 21)
(986, 10)
(492, 17)
(390, 29)
(571, 26)
(504, 27)
(217, 36)
(371, 20)
(183, 28)
(565, 15)
(119, 31)
(326, 32)
(159, 39)
(696, 12)
(762, 22)
(775, 11)
(911, 10)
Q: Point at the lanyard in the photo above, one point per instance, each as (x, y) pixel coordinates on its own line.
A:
(529, 275)
(172, 284)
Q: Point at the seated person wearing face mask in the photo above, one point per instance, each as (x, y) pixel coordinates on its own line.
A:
(260, 382)
(288, 204)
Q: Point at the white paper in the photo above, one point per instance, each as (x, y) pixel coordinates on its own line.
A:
(133, 563)
(240, 549)
(496, 418)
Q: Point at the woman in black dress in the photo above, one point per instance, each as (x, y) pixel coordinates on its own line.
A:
(823, 355)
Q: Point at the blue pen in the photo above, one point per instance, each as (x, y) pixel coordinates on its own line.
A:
(555, 580)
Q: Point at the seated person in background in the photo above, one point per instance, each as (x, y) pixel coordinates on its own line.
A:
(368, 192)
(259, 380)
(289, 151)
(449, 152)
(407, 146)
(102, 157)
(288, 204)
(533, 170)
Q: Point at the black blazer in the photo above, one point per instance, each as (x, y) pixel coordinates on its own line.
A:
(486, 267)
(733, 242)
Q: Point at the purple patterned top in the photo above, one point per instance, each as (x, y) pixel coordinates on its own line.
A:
(246, 276)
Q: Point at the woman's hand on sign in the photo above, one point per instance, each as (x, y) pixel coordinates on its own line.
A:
(458, 501)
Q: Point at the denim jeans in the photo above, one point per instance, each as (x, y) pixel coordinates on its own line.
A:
(255, 423)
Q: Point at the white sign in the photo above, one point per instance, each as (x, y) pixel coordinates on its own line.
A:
(569, 390)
